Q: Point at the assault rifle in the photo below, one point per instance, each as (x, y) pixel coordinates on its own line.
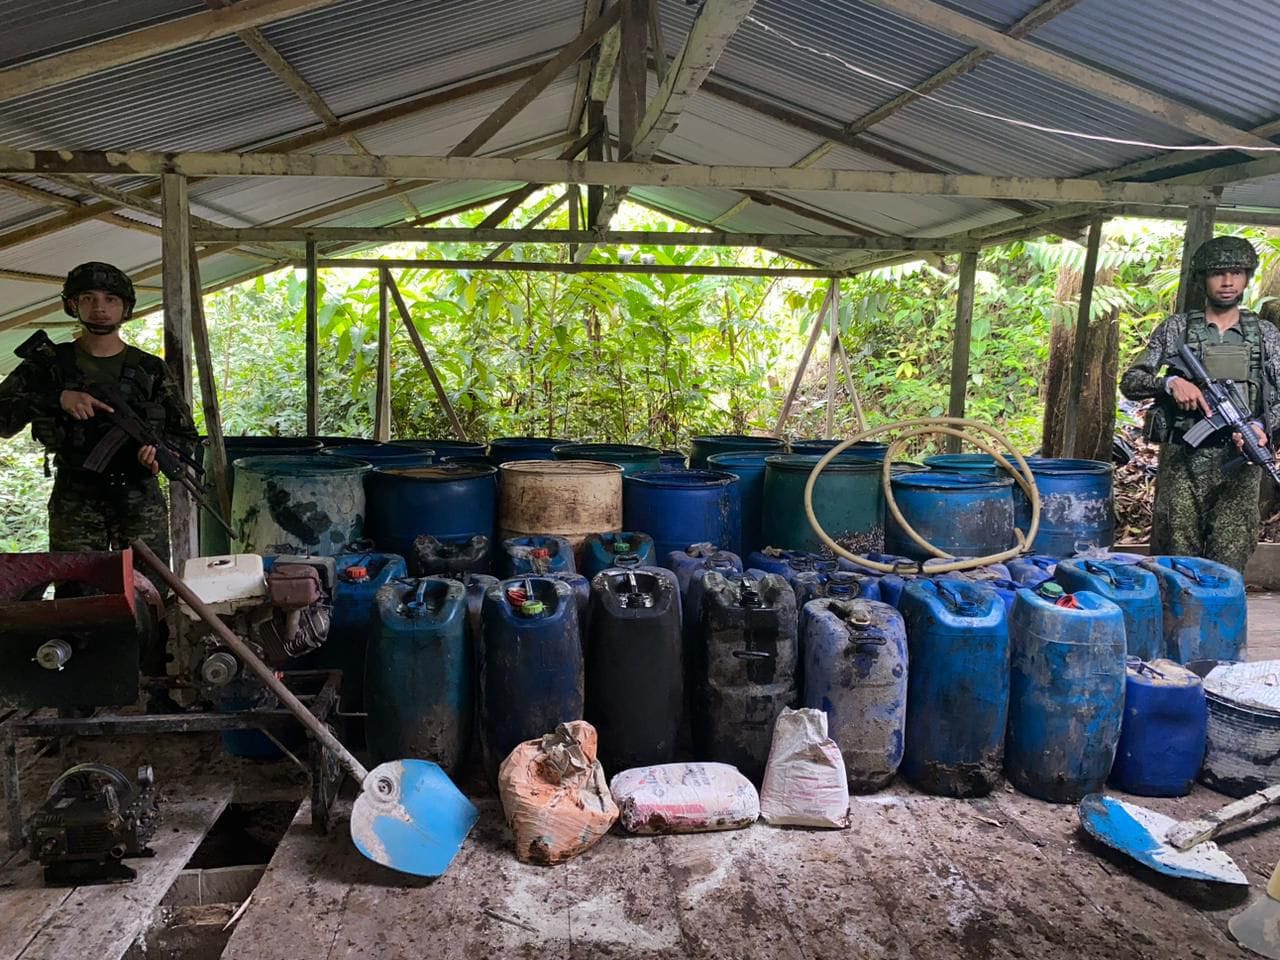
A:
(127, 425)
(1228, 410)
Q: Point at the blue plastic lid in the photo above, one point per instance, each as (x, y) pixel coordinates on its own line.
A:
(931, 480)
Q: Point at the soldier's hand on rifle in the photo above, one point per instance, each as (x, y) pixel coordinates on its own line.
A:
(1187, 395)
(147, 457)
(82, 405)
(1258, 432)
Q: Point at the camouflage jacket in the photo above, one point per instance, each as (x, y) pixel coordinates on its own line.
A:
(1145, 378)
(31, 394)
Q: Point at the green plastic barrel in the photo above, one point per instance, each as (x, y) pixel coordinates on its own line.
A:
(631, 457)
(847, 499)
(213, 538)
(311, 505)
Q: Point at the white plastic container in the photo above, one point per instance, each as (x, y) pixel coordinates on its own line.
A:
(225, 583)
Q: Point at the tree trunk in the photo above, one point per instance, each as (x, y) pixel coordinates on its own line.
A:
(1096, 419)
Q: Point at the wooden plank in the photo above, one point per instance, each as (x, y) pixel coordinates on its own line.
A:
(528, 227)
(1110, 88)
(569, 54)
(25, 79)
(523, 266)
(815, 331)
(313, 342)
(102, 921)
(1082, 336)
(633, 74)
(209, 394)
(621, 174)
(527, 234)
(382, 398)
(175, 251)
(655, 42)
(959, 374)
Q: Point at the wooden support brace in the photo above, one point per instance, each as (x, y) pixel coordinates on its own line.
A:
(313, 342)
(209, 393)
(814, 333)
(425, 357)
(382, 397)
(963, 341)
(1074, 398)
(175, 246)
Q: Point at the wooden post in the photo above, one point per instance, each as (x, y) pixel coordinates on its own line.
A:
(1199, 229)
(814, 332)
(633, 73)
(382, 398)
(575, 210)
(1074, 397)
(833, 315)
(313, 342)
(595, 151)
(963, 336)
(853, 387)
(209, 394)
(175, 253)
(403, 309)
(655, 38)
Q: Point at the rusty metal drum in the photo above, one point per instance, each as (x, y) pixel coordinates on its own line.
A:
(563, 498)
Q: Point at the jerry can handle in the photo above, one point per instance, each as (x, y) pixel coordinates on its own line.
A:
(1181, 566)
(754, 655)
(957, 602)
(1092, 566)
(627, 560)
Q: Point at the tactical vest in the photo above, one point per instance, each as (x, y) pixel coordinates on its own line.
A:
(1244, 363)
(72, 440)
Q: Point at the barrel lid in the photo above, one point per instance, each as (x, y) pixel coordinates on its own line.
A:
(604, 451)
(301, 465)
(438, 471)
(741, 458)
(1161, 673)
(1067, 465)
(804, 463)
(745, 440)
(931, 480)
(681, 479)
(551, 468)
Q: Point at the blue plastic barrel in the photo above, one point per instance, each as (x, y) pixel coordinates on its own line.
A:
(631, 457)
(1130, 587)
(1162, 738)
(744, 667)
(505, 449)
(537, 554)
(1066, 694)
(353, 619)
(214, 541)
(982, 464)
(531, 675)
(443, 500)
(1031, 571)
(749, 469)
(708, 446)
(855, 669)
(635, 666)
(687, 563)
(600, 551)
(679, 509)
(1205, 612)
(958, 696)
(963, 514)
(444, 447)
(1077, 505)
(419, 674)
(384, 454)
(673, 460)
(863, 449)
(302, 504)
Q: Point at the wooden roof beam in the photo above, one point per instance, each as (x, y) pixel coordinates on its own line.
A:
(945, 20)
(28, 78)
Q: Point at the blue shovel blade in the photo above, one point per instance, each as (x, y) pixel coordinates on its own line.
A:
(410, 817)
(1140, 833)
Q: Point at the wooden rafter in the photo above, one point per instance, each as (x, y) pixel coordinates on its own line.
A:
(1113, 89)
(28, 78)
(628, 174)
(551, 208)
(591, 9)
(569, 54)
(519, 266)
(1036, 18)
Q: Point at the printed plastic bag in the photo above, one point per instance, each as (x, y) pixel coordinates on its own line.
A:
(685, 798)
(555, 796)
(804, 781)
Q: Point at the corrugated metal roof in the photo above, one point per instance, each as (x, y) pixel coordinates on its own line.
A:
(38, 29)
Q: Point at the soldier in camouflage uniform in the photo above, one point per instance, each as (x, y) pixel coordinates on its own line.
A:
(1206, 498)
(98, 511)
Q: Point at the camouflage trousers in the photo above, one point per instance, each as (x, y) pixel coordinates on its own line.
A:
(95, 514)
(1206, 505)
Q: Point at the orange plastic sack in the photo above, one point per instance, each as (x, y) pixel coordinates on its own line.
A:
(554, 795)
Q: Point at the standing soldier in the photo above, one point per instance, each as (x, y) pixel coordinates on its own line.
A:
(98, 510)
(1206, 498)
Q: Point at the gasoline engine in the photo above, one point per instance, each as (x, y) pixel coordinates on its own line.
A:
(93, 818)
(281, 613)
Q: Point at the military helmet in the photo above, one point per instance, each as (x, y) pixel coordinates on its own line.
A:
(1225, 253)
(95, 275)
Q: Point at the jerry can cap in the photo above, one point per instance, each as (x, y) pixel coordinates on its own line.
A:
(621, 546)
(531, 608)
(539, 553)
(1050, 590)
(356, 574)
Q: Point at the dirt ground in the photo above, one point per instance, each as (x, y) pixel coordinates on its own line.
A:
(913, 877)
